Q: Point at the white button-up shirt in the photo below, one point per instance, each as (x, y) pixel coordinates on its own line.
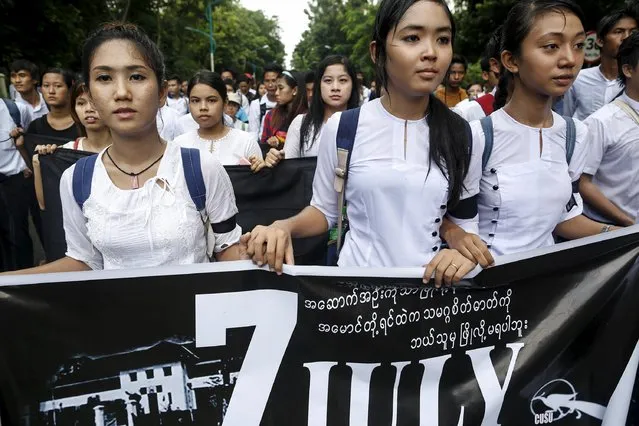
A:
(614, 158)
(11, 162)
(524, 195)
(394, 204)
(590, 92)
(38, 111)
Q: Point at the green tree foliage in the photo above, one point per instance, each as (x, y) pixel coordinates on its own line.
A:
(476, 20)
(51, 32)
(337, 27)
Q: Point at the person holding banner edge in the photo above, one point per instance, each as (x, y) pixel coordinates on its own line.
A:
(397, 192)
(138, 211)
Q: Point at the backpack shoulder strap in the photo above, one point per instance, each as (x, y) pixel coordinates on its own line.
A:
(262, 110)
(346, 132)
(194, 178)
(14, 112)
(487, 127)
(82, 177)
(628, 110)
(571, 137)
(76, 143)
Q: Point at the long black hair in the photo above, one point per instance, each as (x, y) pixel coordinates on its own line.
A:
(283, 115)
(314, 119)
(449, 138)
(519, 23)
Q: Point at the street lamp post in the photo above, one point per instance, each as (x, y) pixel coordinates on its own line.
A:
(209, 34)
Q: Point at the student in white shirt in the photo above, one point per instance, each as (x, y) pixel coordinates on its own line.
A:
(233, 105)
(168, 123)
(528, 189)
(207, 99)
(259, 107)
(25, 75)
(411, 159)
(472, 110)
(139, 212)
(597, 86)
(175, 99)
(610, 183)
(335, 90)
(95, 135)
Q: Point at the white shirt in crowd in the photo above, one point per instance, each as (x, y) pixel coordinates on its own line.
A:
(590, 92)
(471, 110)
(72, 144)
(38, 111)
(155, 225)
(245, 102)
(255, 123)
(168, 123)
(11, 162)
(229, 150)
(613, 158)
(524, 196)
(187, 123)
(180, 105)
(395, 206)
(293, 136)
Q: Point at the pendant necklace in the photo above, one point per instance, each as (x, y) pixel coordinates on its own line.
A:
(135, 183)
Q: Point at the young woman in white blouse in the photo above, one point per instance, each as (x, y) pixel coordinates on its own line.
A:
(95, 134)
(139, 212)
(411, 159)
(207, 98)
(529, 187)
(334, 90)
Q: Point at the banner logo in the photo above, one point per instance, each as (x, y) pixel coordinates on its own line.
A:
(558, 399)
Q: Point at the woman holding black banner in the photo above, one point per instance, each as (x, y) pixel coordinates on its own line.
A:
(131, 205)
(411, 159)
(334, 90)
(95, 135)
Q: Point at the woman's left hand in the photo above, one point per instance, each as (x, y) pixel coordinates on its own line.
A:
(273, 141)
(257, 163)
(449, 266)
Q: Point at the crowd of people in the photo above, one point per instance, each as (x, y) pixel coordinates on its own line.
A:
(413, 171)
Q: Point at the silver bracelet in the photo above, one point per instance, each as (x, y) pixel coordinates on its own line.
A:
(605, 228)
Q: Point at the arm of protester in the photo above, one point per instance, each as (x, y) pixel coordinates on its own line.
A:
(580, 227)
(449, 267)
(24, 154)
(274, 157)
(257, 163)
(37, 181)
(66, 264)
(597, 200)
(469, 245)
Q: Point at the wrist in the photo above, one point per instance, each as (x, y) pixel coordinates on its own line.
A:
(283, 225)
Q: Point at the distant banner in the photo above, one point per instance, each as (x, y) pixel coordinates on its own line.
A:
(549, 339)
(261, 198)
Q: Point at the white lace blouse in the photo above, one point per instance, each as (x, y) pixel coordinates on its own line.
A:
(155, 225)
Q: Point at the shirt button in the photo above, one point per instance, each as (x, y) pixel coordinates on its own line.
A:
(496, 187)
(434, 234)
(438, 220)
(493, 170)
(435, 248)
(443, 207)
(495, 209)
(488, 245)
(491, 235)
(494, 221)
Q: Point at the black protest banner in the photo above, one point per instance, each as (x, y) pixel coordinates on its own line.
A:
(228, 344)
(261, 199)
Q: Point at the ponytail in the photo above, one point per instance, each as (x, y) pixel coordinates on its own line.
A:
(450, 146)
(501, 95)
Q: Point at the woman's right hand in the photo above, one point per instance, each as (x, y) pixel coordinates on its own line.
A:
(273, 157)
(257, 163)
(46, 149)
(271, 245)
(273, 141)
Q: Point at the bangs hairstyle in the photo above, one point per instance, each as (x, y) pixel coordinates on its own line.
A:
(22, 64)
(628, 55)
(79, 89)
(149, 51)
(283, 115)
(519, 23)
(313, 121)
(67, 76)
(211, 79)
(608, 22)
(449, 137)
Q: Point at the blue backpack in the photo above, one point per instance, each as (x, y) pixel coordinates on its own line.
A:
(14, 112)
(83, 175)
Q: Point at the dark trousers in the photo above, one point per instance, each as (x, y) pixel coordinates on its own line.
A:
(16, 199)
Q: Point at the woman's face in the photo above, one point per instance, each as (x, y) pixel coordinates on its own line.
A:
(551, 55)
(419, 49)
(475, 90)
(87, 113)
(124, 89)
(206, 105)
(284, 93)
(336, 87)
(55, 90)
(261, 90)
